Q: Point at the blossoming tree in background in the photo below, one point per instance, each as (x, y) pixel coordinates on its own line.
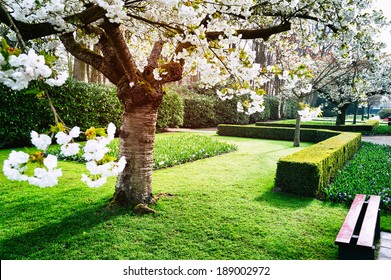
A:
(144, 45)
(310, 62)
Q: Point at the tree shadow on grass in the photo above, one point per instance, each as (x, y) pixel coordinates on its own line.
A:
(284, 200)
(58, 234)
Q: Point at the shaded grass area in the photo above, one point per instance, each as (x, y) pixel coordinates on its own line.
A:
(369, 172)
(222, 208)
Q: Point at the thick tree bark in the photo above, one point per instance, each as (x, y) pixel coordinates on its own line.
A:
(137, 136)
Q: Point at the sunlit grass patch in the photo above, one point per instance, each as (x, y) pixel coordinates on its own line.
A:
(172, 149)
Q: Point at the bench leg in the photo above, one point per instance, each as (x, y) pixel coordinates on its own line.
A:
(350, 252)
(377, 230)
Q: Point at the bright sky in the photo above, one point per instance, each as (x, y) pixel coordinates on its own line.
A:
(385, 5)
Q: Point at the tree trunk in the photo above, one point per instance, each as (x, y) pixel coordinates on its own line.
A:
(79, 70)
(134, 184)
(363, 113)
(355, 112)
(341, 117)
(296, 139)
(94, 76)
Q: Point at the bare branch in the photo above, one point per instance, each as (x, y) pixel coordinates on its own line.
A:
(89, 57)
(155, 54)
(247, 34)
(121, 49)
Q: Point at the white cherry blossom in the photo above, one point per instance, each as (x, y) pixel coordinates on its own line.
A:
(41, 141)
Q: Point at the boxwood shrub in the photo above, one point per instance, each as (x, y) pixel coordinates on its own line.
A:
(275, 133)
(369, 125)
(308, 171)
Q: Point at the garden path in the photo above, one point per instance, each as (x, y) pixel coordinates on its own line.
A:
(385, 246)
(384, 140)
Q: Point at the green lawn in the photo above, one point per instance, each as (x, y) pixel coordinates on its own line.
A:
(221, 208)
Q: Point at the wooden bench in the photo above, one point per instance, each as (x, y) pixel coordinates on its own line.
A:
(357, 237)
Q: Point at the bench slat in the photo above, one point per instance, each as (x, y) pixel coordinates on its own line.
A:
(367, 233)
(347, 229)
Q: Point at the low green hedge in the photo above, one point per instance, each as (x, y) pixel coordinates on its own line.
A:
(369, 125)
(275, 133)
(308, 171)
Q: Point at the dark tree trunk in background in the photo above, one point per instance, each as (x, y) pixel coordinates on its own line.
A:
(79, 70)
(355, 112)
(341, 116)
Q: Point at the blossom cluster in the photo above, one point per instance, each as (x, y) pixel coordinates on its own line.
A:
(307, 113)
(19, 70)
(15, 166)
(47, 174)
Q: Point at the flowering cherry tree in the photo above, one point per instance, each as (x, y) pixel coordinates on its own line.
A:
(144, 45)
(309, 62)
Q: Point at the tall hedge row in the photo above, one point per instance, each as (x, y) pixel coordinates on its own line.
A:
(77, 103)
(19, 114)
(199, 111)
(208, 110)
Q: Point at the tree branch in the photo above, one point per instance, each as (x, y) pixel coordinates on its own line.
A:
(254, 33)
(30, 31)
(156, 52)
(121, 49)
(89, 57)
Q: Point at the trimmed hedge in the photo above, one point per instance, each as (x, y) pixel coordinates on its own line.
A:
(369, 125)
(226, 112)
(308, 171)
(270, 111)
(275, 133)
(19, 114)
